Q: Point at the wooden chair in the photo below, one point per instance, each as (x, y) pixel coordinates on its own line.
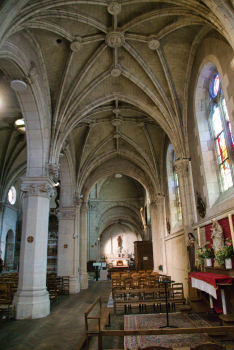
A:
(209, 346)
(117, 283)
(177, 293)
(66, 285)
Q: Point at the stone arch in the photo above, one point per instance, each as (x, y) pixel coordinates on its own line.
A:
(118, 165)
(175, 134)
(209, 170)
(113, 205)
(116, 219)
(138, 161)
(67, 190)
(33, 106)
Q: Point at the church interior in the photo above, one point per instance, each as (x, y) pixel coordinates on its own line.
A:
(117, 151)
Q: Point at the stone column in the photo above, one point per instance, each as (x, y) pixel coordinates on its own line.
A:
(83, 247)
(67, 247)
(2, 208)
(158, 227)
(182, 171)
(32, 299)
(75, 280)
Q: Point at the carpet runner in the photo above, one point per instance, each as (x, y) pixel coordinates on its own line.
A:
(154, 321)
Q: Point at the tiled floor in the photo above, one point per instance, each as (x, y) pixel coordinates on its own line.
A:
(63, 329)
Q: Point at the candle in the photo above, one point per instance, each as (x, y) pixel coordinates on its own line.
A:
(199, 236)
(231, 226)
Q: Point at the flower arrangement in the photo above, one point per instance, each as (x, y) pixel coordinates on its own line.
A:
(205, 251)
(225, 253)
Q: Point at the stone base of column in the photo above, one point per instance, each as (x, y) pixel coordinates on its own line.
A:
(31, 304)
(74, 285)
(84, 280)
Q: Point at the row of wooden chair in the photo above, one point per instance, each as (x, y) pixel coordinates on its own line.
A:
(138, 281)
(57, 286)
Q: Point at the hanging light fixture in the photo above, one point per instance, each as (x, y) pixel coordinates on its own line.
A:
(18, 85)
(20, 125)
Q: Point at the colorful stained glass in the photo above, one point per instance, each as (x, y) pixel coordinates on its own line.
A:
(220, 120)
(217, 122)
(228, 121)
(216, 86)
(178, 197)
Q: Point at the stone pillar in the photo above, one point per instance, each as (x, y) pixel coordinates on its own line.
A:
(83, 247)
(67, 247)
(158, 227)
(2, 208)
(32, 299)
(75, 280)
(182, 171)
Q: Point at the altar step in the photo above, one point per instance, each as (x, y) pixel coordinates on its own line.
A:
(199, 305)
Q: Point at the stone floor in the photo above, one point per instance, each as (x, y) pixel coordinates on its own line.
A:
(63, 329)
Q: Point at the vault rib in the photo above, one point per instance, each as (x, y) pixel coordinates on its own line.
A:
(151, 75)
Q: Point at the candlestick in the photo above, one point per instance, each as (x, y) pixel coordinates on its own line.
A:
(199, 236)
(231, 227)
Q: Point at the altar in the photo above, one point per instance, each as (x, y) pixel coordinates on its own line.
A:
(120, 262)
(209, 283)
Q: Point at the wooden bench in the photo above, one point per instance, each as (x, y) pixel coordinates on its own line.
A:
(124, 333)
(99, 318)
(144, 297)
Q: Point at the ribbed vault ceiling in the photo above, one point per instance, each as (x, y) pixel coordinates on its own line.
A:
(117, 72)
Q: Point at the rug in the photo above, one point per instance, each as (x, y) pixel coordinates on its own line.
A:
(154, 321)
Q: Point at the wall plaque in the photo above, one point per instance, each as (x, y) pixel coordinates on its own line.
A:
(65, 246)
(30, 239)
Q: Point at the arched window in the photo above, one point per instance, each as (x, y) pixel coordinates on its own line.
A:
(178, 202)
(173, 190)
(221, 131)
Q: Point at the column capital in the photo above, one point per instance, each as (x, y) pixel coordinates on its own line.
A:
(181, 166)
(67, 213)
(37, 186)
(52, 170)
(84, 208)
(77, 201)
(157, 201)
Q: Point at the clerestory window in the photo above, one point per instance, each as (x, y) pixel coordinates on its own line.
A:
(221, 130)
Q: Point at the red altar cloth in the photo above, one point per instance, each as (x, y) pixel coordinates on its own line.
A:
(211, 278)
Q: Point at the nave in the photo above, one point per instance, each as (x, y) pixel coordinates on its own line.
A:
(63, 329)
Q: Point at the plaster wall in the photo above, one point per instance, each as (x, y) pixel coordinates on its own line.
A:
(176, 255)
(109, 244)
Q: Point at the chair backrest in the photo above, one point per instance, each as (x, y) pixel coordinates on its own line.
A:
(209, 346)
(177, 290)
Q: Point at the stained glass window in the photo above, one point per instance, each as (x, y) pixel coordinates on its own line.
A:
(222, 131)
(12, 195)
(178, 197)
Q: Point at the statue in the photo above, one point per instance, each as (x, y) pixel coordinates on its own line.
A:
(119, 241)
(191, 251)
(217, 235)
